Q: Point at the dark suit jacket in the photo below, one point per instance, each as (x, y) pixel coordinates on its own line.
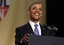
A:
(22, 30)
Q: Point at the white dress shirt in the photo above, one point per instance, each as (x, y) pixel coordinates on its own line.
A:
(33, 27)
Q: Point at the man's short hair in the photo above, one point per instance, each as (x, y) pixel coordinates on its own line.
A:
(33, 4)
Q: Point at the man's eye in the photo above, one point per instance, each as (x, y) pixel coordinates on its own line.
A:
(40, 9)
(34, 8)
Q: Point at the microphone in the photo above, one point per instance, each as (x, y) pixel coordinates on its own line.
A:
(49, 27)
(54, 28)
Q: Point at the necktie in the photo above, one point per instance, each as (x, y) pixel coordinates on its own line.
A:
(36, 32)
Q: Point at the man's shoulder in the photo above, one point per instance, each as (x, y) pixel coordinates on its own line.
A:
(43, 25)
(22, 26)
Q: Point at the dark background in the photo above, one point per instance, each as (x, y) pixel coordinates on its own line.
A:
(55, 15)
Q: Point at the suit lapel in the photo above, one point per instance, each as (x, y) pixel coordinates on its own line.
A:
(43, 30)
(29, 29)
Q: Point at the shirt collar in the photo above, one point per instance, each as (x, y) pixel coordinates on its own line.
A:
(32, 23)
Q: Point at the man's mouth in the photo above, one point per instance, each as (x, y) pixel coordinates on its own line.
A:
(36, 14)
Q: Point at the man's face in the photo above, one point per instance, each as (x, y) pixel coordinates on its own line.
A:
(35, 12)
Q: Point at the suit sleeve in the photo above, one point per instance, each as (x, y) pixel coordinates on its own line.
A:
(18, 37)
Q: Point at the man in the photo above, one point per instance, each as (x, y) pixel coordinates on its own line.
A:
(23, 32)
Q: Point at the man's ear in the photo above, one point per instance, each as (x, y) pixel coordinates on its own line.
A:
(28, 12)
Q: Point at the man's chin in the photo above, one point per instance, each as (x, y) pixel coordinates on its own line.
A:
(36, 19)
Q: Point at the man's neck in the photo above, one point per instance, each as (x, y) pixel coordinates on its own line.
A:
(34, 21)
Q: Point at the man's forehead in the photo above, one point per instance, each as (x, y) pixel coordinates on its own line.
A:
(36, 5)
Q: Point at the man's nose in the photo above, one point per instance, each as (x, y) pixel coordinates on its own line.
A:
(37, 10)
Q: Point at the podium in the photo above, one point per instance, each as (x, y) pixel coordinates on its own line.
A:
(45, 40)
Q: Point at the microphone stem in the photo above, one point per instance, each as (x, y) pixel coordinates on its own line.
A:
(53, 32)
